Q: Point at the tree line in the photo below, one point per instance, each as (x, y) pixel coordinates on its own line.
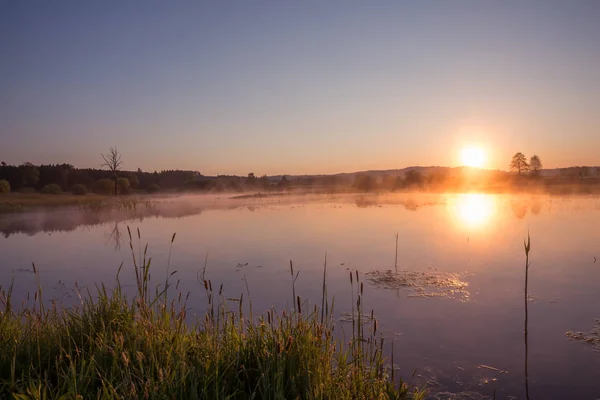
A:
(58, 178)
(110, 178)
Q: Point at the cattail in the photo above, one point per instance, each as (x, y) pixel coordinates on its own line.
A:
(205, 284)
(125, 358)
(361, 288)
(299, 305)
(375, 327)
(351, 277)
(288, 346)
(278, 348)
(210, 285)
(291, 268)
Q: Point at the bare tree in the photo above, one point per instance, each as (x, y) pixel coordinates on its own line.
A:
(519, 163)
(535, 164)
(113, 162)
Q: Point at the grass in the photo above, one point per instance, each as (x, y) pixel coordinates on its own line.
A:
(113, 347)
(19, 202)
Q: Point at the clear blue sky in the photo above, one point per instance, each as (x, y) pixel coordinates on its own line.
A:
(298, 87)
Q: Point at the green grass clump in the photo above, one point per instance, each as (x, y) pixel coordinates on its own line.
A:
(112, 347)
(52, 188)
(4, 186)
(79, 189)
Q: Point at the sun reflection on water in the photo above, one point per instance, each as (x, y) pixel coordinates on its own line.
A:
(473, 210)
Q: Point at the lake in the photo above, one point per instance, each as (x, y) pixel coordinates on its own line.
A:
(452, 302)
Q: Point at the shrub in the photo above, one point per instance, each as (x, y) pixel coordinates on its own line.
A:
(79, 190)
(4, 186)
(123, 185)
(52, 188)
(104, 186)
(153, 188)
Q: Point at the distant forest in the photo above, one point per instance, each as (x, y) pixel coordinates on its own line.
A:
(59, 178)
(55, 178)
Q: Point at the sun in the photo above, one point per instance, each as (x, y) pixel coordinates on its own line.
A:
(473, 157)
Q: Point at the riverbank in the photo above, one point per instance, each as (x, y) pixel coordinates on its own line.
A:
(19, 202)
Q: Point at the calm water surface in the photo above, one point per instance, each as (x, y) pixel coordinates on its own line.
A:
(454, 308)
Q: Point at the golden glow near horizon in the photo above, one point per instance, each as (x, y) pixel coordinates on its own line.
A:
(473, 157)
(473, 210)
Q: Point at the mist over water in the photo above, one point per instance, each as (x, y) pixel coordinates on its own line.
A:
(452, 303)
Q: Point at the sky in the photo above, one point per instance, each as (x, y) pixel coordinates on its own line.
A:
(298, 87)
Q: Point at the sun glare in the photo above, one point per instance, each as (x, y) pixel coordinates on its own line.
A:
(473, 209)
(473, 157)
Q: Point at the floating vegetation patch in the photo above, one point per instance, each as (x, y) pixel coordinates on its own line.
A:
(431, 283)
(458, 396)
(366, 319)
(591, 338)
(475, 382)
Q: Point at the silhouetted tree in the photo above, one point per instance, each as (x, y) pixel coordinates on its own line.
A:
(535, 164)
(584, 172)
(113, 162)
(251, 180)
(284, 183)
(29, 174)
(388, 182)
(413, 177)
(519, 163)
(264, 182)
(364, 183)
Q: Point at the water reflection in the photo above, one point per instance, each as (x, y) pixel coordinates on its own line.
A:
(114, 236)
(439, 331)
(66, 220)
(519, 209)
(473, 210)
